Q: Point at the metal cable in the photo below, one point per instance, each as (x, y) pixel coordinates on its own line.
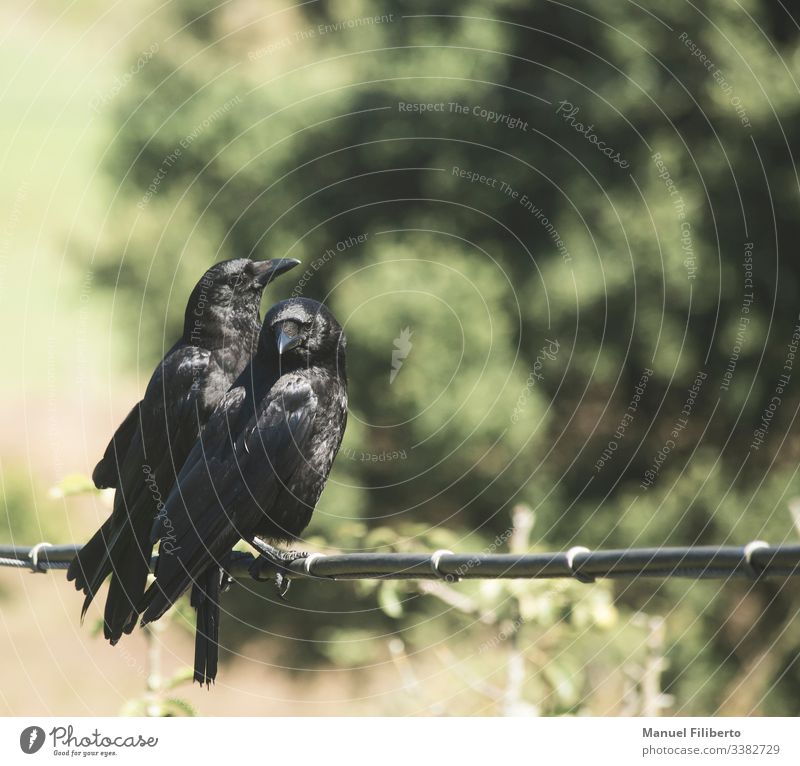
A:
(754, 560)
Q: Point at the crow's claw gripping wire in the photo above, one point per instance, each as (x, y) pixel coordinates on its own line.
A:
(225, 578)
(282, 585)
(274, 560)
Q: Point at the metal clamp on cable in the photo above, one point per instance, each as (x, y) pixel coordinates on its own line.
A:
(571, 553)
(33, 557)
(749, 550)
(436, 560)
(309, 560)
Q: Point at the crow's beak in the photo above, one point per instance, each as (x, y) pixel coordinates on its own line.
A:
(286, 342)
(266, 271)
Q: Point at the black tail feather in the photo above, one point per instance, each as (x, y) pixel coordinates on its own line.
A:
(131, 565)
(205, 599)
(91, 565)
(127, 587)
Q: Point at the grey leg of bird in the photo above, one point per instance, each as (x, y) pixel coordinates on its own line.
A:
(274, 560)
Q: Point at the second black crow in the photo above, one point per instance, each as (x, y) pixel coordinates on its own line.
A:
(259, 465)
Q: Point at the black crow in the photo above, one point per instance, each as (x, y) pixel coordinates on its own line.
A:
(259, 465)
(221, 326)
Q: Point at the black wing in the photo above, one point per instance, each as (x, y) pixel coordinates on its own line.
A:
(167, 426)
(172, 419)
(106, 472)
(233, 477)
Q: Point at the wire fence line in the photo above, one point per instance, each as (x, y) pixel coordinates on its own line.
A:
(754, 560)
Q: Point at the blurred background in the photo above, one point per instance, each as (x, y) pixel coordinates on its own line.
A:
(562, 239)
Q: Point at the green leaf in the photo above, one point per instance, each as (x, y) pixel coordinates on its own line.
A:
(565, 680)
(174, 706)
(73, 484)
(184, 675)
(389, 599)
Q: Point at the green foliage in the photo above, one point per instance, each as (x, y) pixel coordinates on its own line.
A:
(156, 701)
(26, 512)
(74, 484)
(167, 707)
(545, 645)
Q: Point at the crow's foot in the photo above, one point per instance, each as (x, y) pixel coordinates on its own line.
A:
(225, 578)
(274, 561)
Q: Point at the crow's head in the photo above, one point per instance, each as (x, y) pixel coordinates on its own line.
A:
(229, 293)
(237, 280)
(303, 332)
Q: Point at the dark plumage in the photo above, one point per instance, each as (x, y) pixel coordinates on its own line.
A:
(221, 326)
(259, 466)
